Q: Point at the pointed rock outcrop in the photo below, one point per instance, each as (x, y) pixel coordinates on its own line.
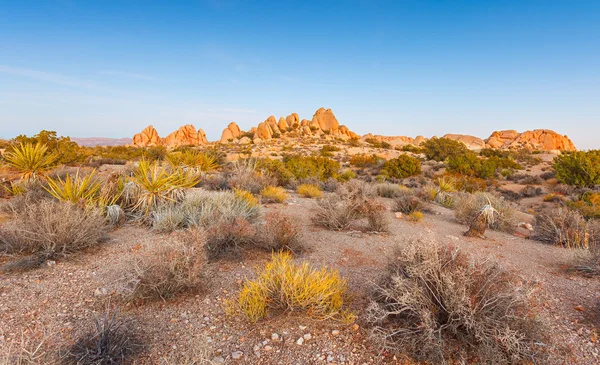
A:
(146, 138)
(186, 136)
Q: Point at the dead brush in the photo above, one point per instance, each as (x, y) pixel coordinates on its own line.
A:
(111, 341)
(407, 202)
(336, 213)
(279, 232)
(32, 347)
(376, 213)
(285, 286)
(228, 236)
(167, 270)
(437, 304)
(563, 227)
(50, 230)
(467, 207)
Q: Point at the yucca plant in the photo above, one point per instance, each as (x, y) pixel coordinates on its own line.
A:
(157, 185)
(192, 159)
(76, 189)
(30, 160)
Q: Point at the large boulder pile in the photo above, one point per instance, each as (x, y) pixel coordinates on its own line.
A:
(538, 139)
(184, 136)
(323, 122)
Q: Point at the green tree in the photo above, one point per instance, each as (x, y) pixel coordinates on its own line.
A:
(578, 168)
(440, 149)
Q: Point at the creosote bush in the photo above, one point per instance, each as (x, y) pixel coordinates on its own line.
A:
(389, 190)
(579, 168)
(401, 167)
(283, 285)
(112, 340)
(407, 202)
(50, 230)
(310, 191)
(437, 304)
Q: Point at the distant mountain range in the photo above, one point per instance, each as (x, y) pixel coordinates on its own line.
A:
(100, 141)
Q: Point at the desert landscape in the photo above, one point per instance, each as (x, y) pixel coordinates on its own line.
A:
(300, 242)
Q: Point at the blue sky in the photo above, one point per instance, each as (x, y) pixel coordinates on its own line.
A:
(110, 68)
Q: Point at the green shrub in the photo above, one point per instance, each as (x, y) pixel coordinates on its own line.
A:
(363, 160)
(303, 167)
(470, 164)
(579, 168)
(440, 149)
(401, 167)
(276, 169)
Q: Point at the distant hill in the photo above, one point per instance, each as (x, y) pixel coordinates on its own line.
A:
(101, 141)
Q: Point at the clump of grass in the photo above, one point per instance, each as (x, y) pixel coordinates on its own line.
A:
(50, 230)
(469, 206)
(273, 194)
(437, 304)
(356, 190)
(112, 340)
(203, 208)
(285, 286)
(228, 236)
(247, 175)
(169, 218)
(246, 196)
(279, 232)
(310, 191)
(167, 270)
(563, 227)
(30, 160)
(415, 216)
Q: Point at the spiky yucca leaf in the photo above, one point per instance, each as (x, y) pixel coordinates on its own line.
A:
(76, 189)
(157, 185)
(30, 160)
(192, 159)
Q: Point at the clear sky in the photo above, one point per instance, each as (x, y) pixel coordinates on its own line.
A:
(110, 68)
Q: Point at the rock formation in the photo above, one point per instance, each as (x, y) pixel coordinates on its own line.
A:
(184, 136)
(146, 138)
(538, 139)
(472, 143)
(230, 133)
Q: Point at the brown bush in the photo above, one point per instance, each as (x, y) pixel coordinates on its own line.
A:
(280, 232)
(436, 304)
(408, 203)
(337, 213)
(167, 270)
(564, 227)
(50, 230)
(467, 207)
(376, 214)
(228, 236)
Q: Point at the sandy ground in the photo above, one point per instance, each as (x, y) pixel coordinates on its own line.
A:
(60, 300)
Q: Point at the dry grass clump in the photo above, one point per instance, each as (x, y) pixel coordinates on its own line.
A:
(246, 175)
(228, 236)
(310, 191)
(279, 232)
(273, 194)
(49, 230)
(246, 196)
(167, 270)
(389, 190)
(336, 213)
(415, 216)
(436, 304)
(283, 285)
(589, 263)
(356, 190)
(468, 207)
(564, 227)
(407, 202)
(112, 340)
(32, 347)
(169, 218)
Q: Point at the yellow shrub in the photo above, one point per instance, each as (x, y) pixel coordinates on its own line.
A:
(246, 196)
(274, 194)
(310, 191)
(415, 216)
(284, 285)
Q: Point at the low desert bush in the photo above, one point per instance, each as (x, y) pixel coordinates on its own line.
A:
(388, 190)
(246, 196)
(376, 214)
(401, 167)
(415, 216)
(50, 230)
(440, 149)
(169, 218)
(531, 191)
(279, 232)
(437, 304)
(579, 168)
(203, 208)
(310, 191)
(303, 167)
(228, 236)
(336, 212)
(363, 160)
(564, 227)
(273, 194)
(246, 175)
(588, 205)
(192, 159)
(30, 160)
(468, 206)
(285, 286)
(112, 340)
(356, 190)
(167, 270)
(407, 203)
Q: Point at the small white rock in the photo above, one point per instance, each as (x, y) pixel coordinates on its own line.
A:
(307, 336)
(274, 337)
(335, 332)
(236, 355)
(300, 341)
